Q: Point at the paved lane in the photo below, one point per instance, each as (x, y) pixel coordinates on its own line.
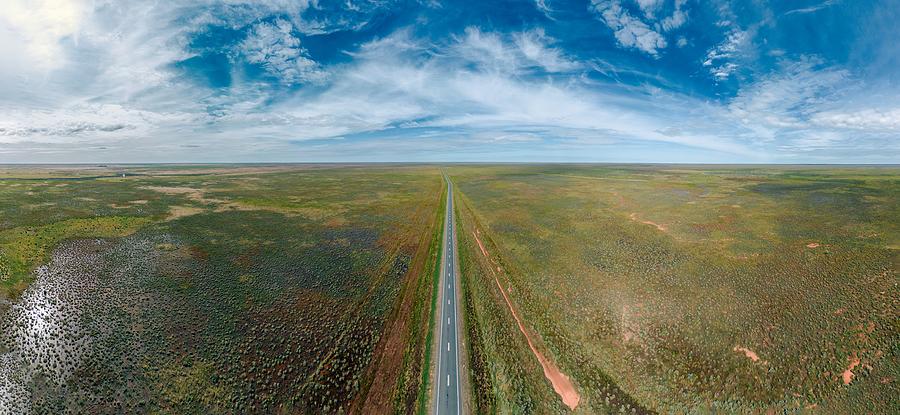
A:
(447, 398)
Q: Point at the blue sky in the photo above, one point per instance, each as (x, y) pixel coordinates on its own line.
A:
(791, 81)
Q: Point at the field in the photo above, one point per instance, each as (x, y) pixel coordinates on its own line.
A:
(216, 289)
(678, 289)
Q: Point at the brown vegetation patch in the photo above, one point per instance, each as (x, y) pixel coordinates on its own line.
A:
(176, 212)
(172, 190)
(191, 193)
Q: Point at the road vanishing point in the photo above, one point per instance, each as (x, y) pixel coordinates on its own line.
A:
(447, 397)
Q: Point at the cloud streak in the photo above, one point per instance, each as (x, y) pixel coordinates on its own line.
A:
(304, 81)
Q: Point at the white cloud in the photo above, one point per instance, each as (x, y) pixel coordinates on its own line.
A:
(815, 8)
(649, 7)
(113, 88)
(37, 28)
(95, 123)
(869, 119)
(806, 107)
(678, 18)
(629, 31)
(543, 7)
(718, 59)
(785, 99)
(519, 52)
(536, 47)
(487, 50)
(110, 75)
(274, 47)
(386, 88)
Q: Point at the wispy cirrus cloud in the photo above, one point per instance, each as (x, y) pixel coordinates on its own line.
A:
(814, 8)
(719, 59)
(298, 80)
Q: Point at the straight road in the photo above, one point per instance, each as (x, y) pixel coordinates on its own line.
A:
(447, 398)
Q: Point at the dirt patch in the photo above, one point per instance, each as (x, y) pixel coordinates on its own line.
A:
(480, 245)
(176, 212)
(197, 195)
(848, 374)
(662, 228)
(813, 245)
(747, 352)
(561, 383)
(189, 191)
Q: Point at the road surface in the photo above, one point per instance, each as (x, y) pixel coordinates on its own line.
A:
(447, 398)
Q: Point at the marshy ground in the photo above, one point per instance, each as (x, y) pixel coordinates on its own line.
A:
(193, 289)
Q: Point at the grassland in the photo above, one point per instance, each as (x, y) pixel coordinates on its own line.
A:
(199, 289)
(679, 289)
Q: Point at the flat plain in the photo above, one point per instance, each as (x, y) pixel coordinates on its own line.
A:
(585, 288)
(681, 289)
(216, 289)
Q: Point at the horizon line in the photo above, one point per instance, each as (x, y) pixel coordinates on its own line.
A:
(225, 163)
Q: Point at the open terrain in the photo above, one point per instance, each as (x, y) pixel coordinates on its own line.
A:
(585, 288)
(673, 289)
(199, 289)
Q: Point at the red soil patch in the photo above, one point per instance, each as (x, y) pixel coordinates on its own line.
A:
(813, 245)
(848, 374)
(634, 217)
(561, 383)
(480, 245)
(747, 352)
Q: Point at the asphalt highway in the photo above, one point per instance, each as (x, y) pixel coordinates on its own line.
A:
(447, 398)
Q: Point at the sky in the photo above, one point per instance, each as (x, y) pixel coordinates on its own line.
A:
(713, 81)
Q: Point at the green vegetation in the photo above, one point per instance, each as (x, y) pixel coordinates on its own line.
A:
(434, 268)
(211, 289)
(683, 289)
(25, 247)
(312, 289)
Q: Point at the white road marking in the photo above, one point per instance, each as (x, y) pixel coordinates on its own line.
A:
(449, 294)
